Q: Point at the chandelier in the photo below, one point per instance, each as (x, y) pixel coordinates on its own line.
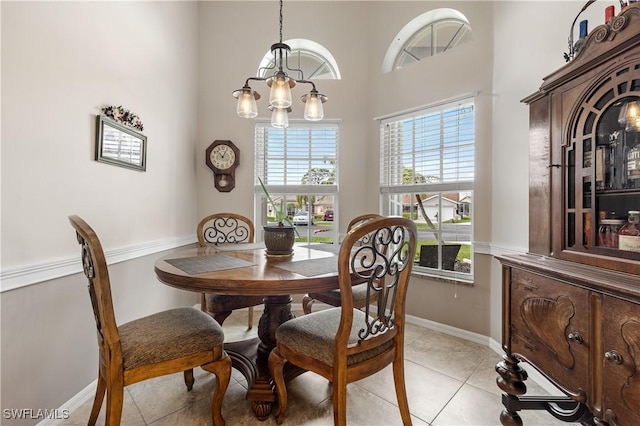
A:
(281, 83)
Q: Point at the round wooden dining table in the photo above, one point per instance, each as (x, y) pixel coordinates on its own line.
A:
(245, 269)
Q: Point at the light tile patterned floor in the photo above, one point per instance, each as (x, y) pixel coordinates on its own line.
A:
(450, 381)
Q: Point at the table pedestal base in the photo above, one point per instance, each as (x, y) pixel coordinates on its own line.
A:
(250, 357)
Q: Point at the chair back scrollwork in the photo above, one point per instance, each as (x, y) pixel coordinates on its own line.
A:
(381, 254)
(225, 228)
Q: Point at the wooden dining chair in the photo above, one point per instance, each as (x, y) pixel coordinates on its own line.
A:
(226, 228)
(332, 297)
(346, 344)
(172, 341)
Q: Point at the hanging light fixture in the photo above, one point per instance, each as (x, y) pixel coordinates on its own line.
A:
(630, 116)
(280, 84)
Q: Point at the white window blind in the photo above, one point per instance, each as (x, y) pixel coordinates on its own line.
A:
(300, 158)
(432, 149)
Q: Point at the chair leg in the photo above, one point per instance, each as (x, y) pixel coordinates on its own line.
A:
(340, 399)
(203, 302)
(188, 378)
(250, 319)
(222, 370)
(276, 370)
(307, 301)
(97, 400)
(401, 390)
(115, 399)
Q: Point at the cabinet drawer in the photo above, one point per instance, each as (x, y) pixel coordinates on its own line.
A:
(550, 327)
(621, 361)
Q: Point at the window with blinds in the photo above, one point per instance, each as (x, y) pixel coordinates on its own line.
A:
(426, 174)
(299, 167)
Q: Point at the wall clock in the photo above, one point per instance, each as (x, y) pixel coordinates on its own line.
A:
(223, 157)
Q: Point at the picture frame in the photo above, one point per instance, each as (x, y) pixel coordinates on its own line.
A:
(120, 145)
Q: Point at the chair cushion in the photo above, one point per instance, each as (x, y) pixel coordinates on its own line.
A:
(332, 297)
(168, 335)
(313, 335)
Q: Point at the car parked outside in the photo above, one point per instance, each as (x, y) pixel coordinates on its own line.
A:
(302, 218)
(328, 215)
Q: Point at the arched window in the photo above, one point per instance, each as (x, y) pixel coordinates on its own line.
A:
(427, 35)
(315, 61)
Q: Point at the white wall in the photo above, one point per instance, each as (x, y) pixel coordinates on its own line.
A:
(60, 63)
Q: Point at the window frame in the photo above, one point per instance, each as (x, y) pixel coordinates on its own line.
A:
(394, 191)
(415, 27)
(285, 190)
(308, 48)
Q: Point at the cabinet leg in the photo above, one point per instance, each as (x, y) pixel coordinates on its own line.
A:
(511, 381)
(512, 376)
(599, 422)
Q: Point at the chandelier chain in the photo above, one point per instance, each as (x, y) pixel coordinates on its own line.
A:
(280, 21)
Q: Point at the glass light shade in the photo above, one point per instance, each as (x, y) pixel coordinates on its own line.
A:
(633, 125)
(280, 96)
(280, 118)
(629, 113)
(313, 110)
(247, 107)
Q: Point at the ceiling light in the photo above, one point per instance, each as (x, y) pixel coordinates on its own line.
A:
(281, 83)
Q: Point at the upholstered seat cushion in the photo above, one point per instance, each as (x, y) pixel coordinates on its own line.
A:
(332, 297)
(168, 335)
(313, 335)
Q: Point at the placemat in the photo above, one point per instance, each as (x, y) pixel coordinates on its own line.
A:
(310, 268)
(201, 264)
(331, 248)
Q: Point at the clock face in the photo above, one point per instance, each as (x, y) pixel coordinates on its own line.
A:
(222, 157)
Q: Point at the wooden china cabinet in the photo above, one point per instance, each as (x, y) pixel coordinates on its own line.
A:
(571, 306)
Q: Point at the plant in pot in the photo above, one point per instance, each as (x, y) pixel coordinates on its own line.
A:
(279, 238)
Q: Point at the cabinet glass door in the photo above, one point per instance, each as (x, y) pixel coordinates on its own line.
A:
(602, 163)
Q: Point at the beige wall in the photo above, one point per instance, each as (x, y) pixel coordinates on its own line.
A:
(176, 64)
(60, 63)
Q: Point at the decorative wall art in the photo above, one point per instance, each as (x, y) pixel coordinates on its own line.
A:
(118, 139)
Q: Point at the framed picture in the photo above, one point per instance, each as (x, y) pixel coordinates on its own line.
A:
(120, 145)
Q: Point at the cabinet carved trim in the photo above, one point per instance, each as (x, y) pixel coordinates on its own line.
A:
(548, 320)
(631, 389)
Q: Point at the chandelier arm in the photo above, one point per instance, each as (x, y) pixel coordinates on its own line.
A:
(263, 70)
(307, 82)
(298, 70)
(246, 83)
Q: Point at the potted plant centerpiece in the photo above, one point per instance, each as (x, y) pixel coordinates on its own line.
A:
(278, 238)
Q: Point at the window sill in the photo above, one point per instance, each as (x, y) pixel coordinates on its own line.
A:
(449, 280)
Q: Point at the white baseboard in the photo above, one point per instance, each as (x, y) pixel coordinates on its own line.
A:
(73, 404)
(493, 344)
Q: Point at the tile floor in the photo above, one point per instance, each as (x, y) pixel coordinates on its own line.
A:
(450, 381)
